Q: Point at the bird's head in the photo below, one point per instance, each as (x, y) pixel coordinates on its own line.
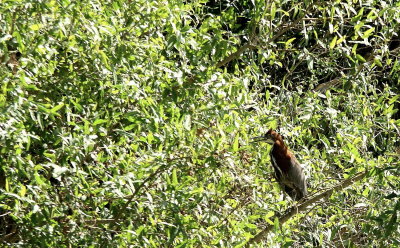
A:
(270, 137)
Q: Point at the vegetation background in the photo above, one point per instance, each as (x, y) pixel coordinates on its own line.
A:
(128, 123)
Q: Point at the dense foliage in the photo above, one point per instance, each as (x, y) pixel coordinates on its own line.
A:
(129, 123)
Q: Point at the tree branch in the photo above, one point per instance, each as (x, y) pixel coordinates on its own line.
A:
(334, 82)
(234, 55)
(272, 39)
(303, 206)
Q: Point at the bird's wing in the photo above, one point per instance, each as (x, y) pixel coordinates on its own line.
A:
(297, 177)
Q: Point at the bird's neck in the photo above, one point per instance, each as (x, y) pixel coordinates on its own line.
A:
(280, 147)
(281, 155)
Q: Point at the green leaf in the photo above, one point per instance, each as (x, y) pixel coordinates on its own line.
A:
(273, 10)
(368, 33)
(333, 42)
(77, 105)
(394, 99)
(268, 216)
(38, 179)
(236, 143)
(174, 178)
(104, 59)
(360, 58)
(287, 43)
(56, 108)
(377, 61)
(101, 121)
(22, 190)
(341, 40)
(251, 226)
(150, 138)
(35, 27)
(276, 224)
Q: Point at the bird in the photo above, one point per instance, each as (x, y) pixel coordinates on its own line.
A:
(288, 171)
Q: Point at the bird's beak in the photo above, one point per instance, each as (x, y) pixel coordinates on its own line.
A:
(262, 138)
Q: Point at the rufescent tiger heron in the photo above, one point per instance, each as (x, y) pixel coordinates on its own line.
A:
(288, 171)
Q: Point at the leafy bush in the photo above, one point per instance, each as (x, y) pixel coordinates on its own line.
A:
(128, 123)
